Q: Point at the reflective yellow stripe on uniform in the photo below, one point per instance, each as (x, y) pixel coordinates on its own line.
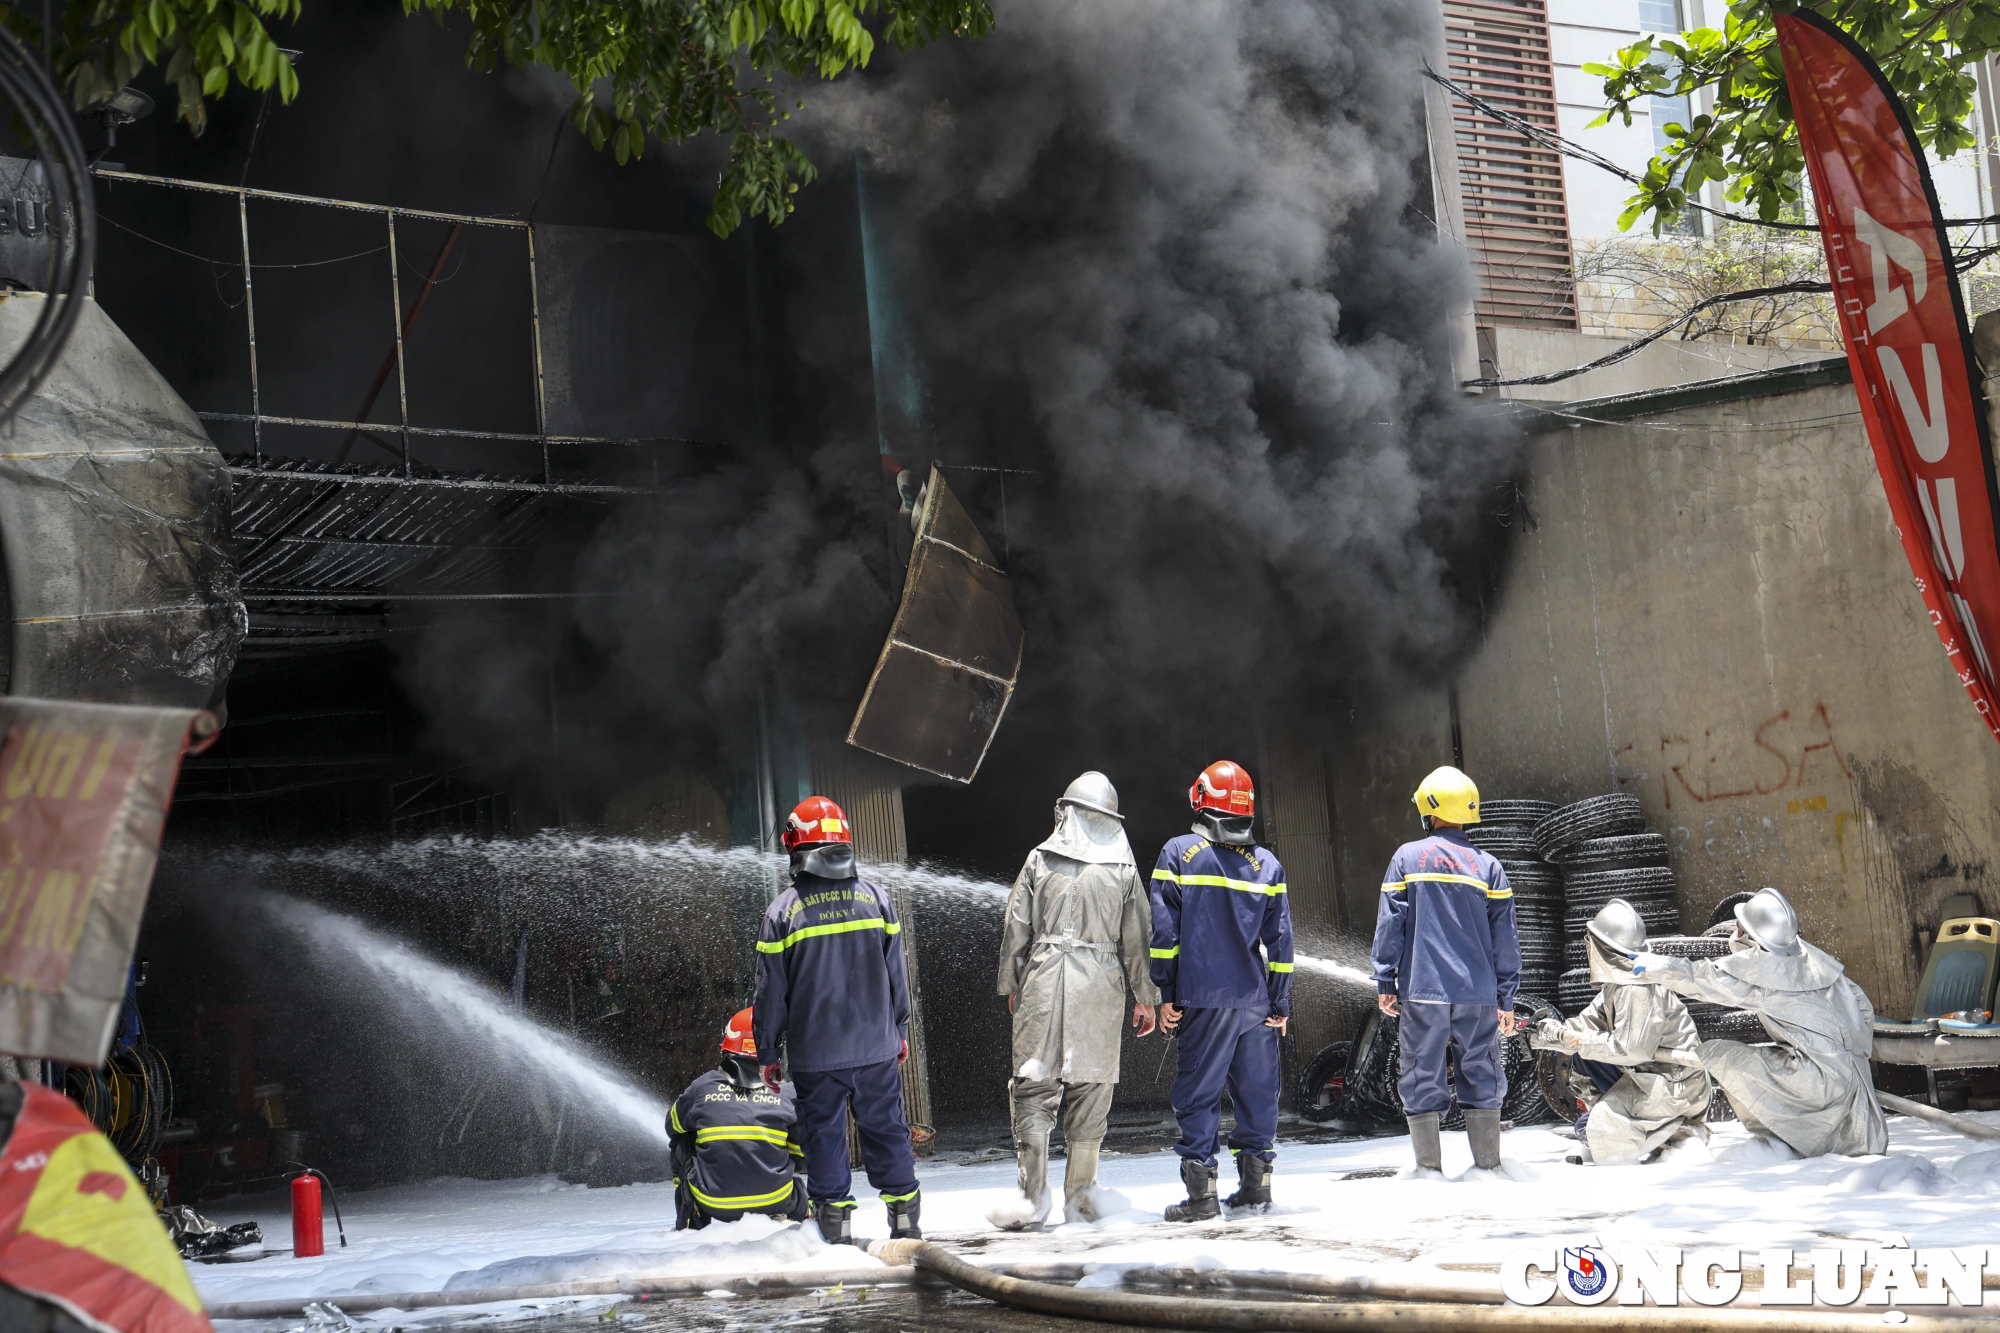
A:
(1174, 952)
(1499, 893)
(757, 1132)
(675, 1116)
(836, 928)
(745, 1201)
(1222, 882)
(1280, 967)
(1445, 879)
(1397, 887)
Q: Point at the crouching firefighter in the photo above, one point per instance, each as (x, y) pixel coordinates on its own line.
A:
(1075, 940)
(1636, 1045)
(1222, 959)
(831, 986)
(1447, 963)
(1812, 1088)
(731, 1139)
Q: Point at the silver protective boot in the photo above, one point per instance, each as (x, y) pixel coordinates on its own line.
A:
(1027, 1209)
(1080, 1182)
(1424, 1141)
(1482, 1128)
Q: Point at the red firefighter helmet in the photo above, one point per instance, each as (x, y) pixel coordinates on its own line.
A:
(816, 820)
(736, 1038)
(1224, 788)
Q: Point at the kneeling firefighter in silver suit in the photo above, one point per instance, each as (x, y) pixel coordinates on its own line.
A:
(1077, 935)
(1813, 1090)
(1619, 1041)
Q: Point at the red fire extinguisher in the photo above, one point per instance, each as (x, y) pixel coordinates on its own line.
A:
(308, 1226)
(308, 1230)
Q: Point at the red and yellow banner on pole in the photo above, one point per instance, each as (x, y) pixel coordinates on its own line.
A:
(1904, 323)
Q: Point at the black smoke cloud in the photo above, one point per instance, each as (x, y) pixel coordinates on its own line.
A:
(1171, 261)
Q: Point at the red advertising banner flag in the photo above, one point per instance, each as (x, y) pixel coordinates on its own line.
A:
(83, 799)
(1904, 322)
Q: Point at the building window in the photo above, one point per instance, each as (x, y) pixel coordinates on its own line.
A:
(1661, 16)
(1673, 111)
(1668, 111)
(1516, 213)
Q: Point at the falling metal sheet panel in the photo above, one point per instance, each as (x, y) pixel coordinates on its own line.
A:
(948, 670)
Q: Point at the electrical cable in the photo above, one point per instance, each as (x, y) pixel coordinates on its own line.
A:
(1960, 263)
(1556, 143)
(1634, 347)
(236, 264)
(42, 109)
(1546, 138)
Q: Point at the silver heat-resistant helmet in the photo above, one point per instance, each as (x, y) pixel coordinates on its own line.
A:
(1770, 921)
(1619, 928)
(1093, 791)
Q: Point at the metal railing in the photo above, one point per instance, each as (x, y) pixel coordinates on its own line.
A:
(258, 419)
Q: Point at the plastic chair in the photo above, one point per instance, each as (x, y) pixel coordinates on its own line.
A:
(1960, 972)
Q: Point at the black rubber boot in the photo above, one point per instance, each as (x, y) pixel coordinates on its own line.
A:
(1425, 1143)
(836, 1222)
(903, 1216)
(1253, 1182)
(1200, 1204)
(1482, 1128)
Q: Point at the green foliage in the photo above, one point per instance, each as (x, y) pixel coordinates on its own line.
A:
(1747, 141)
(642, 70)
(674, 69)
(102, 45)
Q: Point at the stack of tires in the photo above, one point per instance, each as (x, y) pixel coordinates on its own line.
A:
(1506, 831)
(1602, 850)
(1353, 1083)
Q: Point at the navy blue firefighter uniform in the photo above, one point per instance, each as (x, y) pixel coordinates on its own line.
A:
(831, 985)
(1222, 951)
(1446, 945)
(734, 1152)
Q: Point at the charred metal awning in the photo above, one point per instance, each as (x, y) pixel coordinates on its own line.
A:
(328, 552)
(947, 673)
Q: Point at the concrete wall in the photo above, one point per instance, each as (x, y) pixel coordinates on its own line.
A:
(1515, 353)
(1709, 608)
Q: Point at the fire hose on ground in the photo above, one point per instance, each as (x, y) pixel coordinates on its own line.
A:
(1131, 1307)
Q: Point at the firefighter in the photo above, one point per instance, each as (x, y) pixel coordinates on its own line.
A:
(1075, 941)
(733, 1142)
(831, 987)
(1222, 959)
(1447, 963)
(1811, 1085)
(1622, 1043)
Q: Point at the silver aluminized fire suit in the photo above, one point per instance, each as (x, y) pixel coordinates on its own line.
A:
(1813, 1089)
(1079, 925)
(1626, 1025)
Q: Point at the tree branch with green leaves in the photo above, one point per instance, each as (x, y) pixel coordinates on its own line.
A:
(1747, 140)
(640, 70)
(671, 70)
